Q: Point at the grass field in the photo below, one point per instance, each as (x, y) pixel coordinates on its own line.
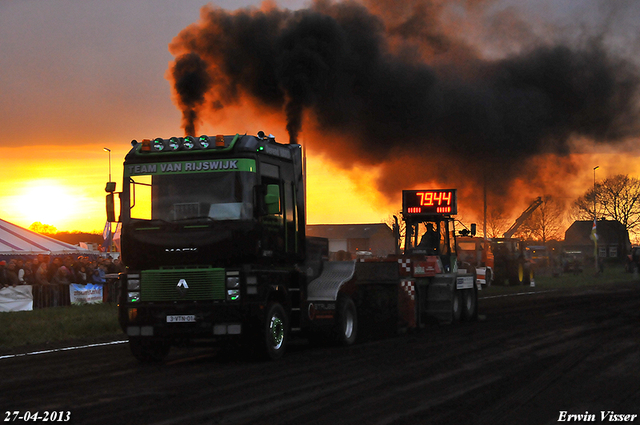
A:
(50, 325)
(611, 275)
(91, 322)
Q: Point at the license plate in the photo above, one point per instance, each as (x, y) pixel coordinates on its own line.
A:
(183, 318)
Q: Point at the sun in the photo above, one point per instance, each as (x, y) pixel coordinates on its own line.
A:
(46, 201)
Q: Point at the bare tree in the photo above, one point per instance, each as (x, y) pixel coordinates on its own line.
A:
(391, 222)
(616, 198)
(497, 223)
(545, 223)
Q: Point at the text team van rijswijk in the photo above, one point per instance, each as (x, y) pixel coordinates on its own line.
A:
(183, 166)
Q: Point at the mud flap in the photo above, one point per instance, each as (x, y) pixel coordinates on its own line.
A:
(328, 284)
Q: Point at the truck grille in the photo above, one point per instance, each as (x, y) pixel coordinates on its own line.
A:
(182, 284)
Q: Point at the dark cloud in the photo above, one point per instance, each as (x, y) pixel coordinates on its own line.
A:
(398, 85)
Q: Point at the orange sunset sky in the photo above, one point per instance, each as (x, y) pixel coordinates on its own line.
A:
(78, 76)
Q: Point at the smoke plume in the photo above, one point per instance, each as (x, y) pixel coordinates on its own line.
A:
(191, 83)
(397, 89)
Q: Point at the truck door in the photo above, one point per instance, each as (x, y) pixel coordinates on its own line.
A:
(273, 240)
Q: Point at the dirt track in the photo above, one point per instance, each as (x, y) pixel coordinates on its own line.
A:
(531, 358)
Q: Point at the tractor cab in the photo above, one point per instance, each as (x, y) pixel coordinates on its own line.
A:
(430, 230)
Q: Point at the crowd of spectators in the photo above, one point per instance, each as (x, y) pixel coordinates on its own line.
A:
(45, 270)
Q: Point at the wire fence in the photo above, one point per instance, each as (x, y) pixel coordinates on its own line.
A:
(56, 295)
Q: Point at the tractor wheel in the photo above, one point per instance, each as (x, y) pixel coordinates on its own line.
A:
(456, 306)
(469, 304)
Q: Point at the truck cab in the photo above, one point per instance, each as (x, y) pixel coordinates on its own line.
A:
(213, 237)
(476, 252)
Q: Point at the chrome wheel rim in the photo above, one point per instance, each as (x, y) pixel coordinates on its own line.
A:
(348, 324)
(276, 330)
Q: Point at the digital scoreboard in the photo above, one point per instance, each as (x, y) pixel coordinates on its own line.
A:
(435, 201)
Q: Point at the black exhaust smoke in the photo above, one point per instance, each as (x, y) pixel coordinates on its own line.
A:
(191, 84)
(460, 118)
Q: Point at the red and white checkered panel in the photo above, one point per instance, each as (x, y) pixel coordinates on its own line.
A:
(409, 287)
(405, 266)
(407, 303)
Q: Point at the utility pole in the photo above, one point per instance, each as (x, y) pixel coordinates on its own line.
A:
(108, 150)
(595, 219)
(484, 230)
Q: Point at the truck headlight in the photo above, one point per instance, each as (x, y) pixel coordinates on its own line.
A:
(233, 294)
(133, 284)
(233, 282)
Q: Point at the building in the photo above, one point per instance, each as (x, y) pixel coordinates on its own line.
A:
(376, 240)
(613, 239)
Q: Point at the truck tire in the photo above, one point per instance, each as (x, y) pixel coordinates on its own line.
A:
(516, 274)
(148, 350)
(346, 327)
(522, 273)
(456, 306)
(469, 304)
(488, 278)
(528, 274)
(275, 331)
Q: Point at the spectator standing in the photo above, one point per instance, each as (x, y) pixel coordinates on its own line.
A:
(42, 274)
(20, 271)
(98, 275)
(3, 274)
(61, 277)
(27, 273)
(81, 275)
(53, 268)
(70, 271)
(12, 274)
(118, 265)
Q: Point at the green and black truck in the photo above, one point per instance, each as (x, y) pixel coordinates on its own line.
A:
(213, 239)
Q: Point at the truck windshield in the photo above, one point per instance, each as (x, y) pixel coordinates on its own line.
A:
(180, 197)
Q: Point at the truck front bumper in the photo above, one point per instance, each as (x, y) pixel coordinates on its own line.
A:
(199, 320)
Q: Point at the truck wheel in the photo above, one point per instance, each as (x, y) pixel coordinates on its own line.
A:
(149, 350)
(488, 278)
(469, 304)
(346, 327)
(275, 334)
(456, 306)
(528, 275)
(521, 274)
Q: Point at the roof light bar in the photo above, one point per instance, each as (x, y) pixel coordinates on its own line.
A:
(174, 143)
(204, 142)
(158, 145)
(187, 143)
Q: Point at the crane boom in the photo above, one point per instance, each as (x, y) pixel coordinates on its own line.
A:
(525, 215)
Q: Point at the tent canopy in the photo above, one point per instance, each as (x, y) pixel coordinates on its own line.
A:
(16, 240)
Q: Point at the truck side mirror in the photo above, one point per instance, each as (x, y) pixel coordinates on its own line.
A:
(473, 229)
(111, 209)
(272, 199)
